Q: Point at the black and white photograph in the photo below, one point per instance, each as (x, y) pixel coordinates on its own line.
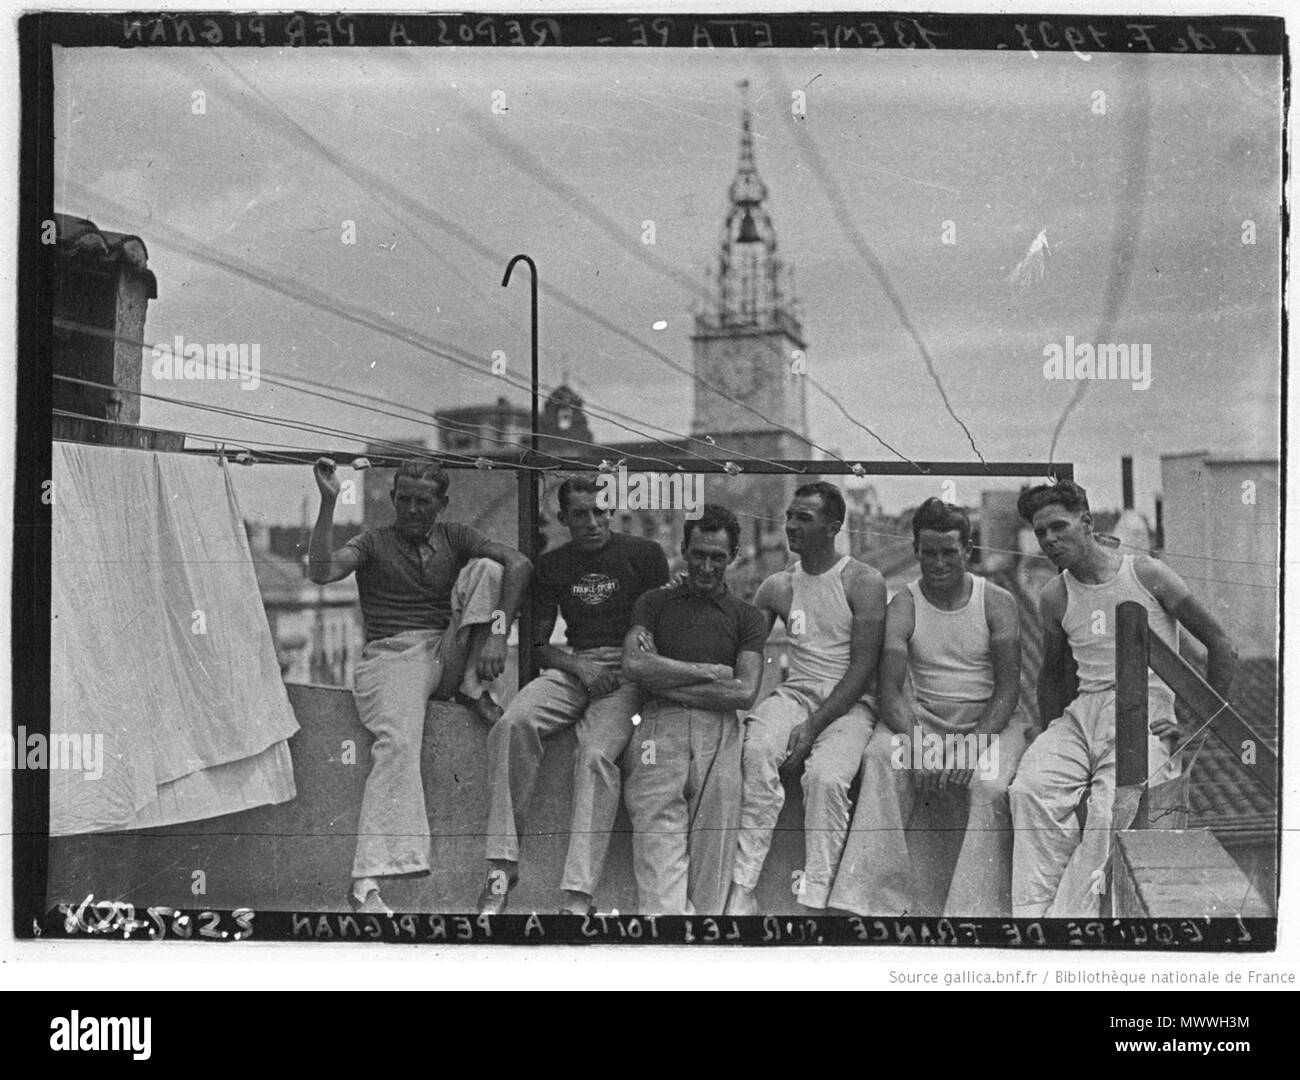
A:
(639, 479)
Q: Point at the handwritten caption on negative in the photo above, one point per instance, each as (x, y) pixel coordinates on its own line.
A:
(1247, 35)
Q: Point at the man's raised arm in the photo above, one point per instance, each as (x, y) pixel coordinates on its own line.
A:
(518, 571)
(1177, 599)
(514, 581)
(324, 564)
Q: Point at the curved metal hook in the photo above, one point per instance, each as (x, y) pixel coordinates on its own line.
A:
(520, 258)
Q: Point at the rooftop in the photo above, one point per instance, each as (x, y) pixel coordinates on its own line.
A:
(81, 240)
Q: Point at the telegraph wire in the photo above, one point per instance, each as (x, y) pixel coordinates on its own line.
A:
(836, 199)
(1127, 226)
(313, 297)
(431, 216)
(342, 396)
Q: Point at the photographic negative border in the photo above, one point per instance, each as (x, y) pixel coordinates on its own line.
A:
(38, 33)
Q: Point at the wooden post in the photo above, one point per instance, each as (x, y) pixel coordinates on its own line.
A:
(1131, 731)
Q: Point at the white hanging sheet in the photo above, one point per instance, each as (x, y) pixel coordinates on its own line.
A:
(161, 653)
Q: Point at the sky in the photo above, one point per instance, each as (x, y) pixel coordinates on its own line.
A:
(586, 146)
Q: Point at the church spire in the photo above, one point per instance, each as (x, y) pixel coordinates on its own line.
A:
(750, 280)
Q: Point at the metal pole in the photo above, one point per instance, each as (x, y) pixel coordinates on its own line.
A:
(1131, 729)
(528, 488)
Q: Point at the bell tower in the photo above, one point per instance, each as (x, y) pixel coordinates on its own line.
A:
(748, 341)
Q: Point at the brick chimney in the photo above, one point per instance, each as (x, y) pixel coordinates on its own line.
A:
(103, 286)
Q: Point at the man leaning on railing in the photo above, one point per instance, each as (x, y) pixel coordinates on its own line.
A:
(1059, 870)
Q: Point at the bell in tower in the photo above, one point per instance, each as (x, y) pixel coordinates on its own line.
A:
(748, 230)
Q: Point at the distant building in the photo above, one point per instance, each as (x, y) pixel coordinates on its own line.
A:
(483, 429)
(495, 429)
(1221, 533)
(317, 629)
(747, 343)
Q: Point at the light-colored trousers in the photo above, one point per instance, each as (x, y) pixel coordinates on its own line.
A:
(682, 792)
(549, 704)
(392, 685)
(1059, 870)
(880, 873)
(828, 774)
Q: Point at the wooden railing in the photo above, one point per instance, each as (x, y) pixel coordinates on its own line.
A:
(1136, 649)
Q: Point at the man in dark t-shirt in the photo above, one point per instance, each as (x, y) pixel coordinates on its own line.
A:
(437, 599)
(697, 651)
(593, 580)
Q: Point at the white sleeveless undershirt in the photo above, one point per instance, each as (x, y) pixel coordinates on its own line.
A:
(1089, 625)
(820, 625)
(948, 654)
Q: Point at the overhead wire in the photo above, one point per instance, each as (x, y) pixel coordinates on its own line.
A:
(561, 461)
(428, 214)
(405, 450)
(836, 199)
(1127, 226)
(343, 396)
(217, 440)
(349, 312)
(565, 192)
(324, 302)
(525, 162)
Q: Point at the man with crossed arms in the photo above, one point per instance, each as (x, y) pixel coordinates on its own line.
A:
(697, 650)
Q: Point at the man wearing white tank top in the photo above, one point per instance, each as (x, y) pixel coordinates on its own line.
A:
(833, 609)
(958, 733)
(1059, 871)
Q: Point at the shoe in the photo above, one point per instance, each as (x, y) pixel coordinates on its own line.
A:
(577, 903)
(741, 901)
(373, 904)
(496, 892)
(485, 709)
